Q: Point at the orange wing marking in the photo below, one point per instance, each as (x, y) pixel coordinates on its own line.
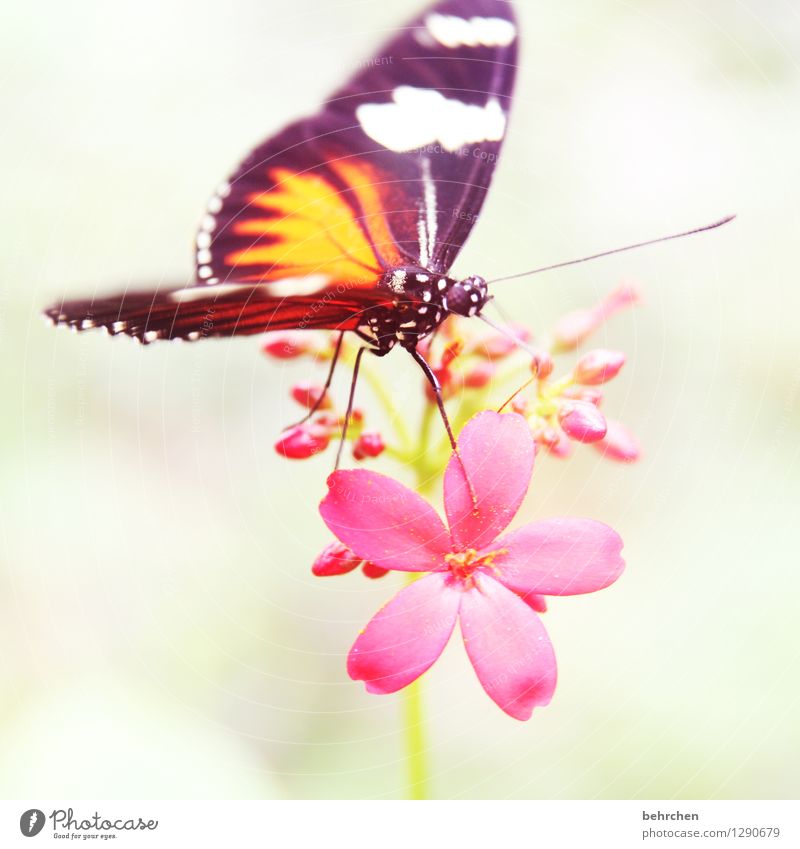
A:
(311, 227)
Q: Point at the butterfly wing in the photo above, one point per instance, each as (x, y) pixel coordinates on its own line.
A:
(393, 170)
(224, 310)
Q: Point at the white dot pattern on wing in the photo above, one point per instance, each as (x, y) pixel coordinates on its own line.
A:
(452, 31)
(417, 117)
(204, 237)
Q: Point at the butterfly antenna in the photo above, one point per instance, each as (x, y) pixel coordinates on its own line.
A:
(349, 412)
(322, 395)
(617, 250)
(500, 310)
(437, 391)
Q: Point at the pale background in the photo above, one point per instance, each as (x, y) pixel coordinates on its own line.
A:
(160, 632)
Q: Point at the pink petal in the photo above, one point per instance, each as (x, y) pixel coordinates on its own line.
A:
(559, 557)
(405, 636)
(509, 648)
(497, 452)
(384, 522)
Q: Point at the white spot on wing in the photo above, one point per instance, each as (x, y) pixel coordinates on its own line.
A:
(431, 222)
(397, 282)
(421, 116)
(202, 293)
(293, 286)
(422, 238)
(452, 31)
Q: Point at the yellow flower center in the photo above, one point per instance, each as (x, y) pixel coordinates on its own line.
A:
(464, 563)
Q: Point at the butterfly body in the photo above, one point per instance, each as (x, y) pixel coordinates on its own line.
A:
(421, 301)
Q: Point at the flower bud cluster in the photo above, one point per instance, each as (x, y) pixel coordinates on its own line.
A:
(324, 423)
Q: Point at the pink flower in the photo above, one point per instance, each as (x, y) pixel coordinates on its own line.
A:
(490, 584)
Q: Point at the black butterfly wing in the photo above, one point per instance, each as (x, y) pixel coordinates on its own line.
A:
(224, 310)
(393, 170)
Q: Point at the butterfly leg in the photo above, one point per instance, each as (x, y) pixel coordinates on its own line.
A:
(328, 379)
(349, 412)
(437, 391)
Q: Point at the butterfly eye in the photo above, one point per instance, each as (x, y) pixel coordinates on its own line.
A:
(467, 297)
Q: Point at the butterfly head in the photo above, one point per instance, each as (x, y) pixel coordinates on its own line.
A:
(467, 297)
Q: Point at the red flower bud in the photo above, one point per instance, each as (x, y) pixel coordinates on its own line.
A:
(619, 444)
(558, 444)
(553, 440)
(373, 571)
(574, 327)
(327, 421)
(497, 346)
(520, 405)
(307, 394)
(542, 365)
(451, 352)
(335, 559)
(598, 366)
(584, 393)
(368, 444)
(625, 295)
(445, 378)
(582, 421)
(286, 346)
(480, 375)
(302, 441)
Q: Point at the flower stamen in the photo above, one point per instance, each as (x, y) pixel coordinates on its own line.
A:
(464, 563)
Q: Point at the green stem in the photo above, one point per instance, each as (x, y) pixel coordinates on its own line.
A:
(416, 758)
(384, 396)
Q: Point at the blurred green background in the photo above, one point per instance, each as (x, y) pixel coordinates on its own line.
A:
(160, 632)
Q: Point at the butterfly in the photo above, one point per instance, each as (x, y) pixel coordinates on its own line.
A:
(350, 219)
